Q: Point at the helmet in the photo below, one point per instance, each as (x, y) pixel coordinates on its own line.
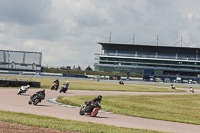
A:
(28, 86)
(100, 97)
(67, 81)
(43, 90)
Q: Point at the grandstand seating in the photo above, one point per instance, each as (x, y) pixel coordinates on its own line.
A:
(137, 58)
(151, 54)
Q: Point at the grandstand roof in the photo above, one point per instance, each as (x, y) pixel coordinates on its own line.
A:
(146, 46)
(20, 51)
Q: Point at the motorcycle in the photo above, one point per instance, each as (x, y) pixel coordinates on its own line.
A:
(22, 89)
(172, 86)
(63, 89)
(54, 86)
(121, 82)
(191, 90)
(36, 98)
(90, 108)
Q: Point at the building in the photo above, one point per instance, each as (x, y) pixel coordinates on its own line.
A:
(20, 60)
(165, 62)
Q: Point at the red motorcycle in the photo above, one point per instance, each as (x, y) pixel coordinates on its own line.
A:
(54, 86)
(90, 108)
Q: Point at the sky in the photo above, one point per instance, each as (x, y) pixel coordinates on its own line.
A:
(67, 31)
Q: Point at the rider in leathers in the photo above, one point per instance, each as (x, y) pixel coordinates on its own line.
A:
(41, 94)
(90, 106)
(57, 82)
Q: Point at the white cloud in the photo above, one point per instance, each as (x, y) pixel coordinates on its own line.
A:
(67, 31)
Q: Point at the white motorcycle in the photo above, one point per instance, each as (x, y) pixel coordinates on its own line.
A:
(172, 86)
(191, 90)
(23, 89)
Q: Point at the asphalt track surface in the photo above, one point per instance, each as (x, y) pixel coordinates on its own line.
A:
(10, 101)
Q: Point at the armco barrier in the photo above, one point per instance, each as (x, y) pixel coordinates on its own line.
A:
(15, 83)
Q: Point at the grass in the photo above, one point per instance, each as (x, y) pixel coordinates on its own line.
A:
(113, 86)
(102, 86)
(177, 108)
(61, 124)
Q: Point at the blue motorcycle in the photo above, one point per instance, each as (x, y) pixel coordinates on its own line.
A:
(64, 88)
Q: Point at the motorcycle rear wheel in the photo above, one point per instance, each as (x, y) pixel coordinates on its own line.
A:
(36, 101)
(94, 112)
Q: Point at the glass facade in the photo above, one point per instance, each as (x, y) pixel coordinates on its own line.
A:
(136, 58)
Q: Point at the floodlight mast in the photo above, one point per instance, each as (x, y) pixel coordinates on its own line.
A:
(157, 41)
(181, 40)
(133, 38)
(110, 38)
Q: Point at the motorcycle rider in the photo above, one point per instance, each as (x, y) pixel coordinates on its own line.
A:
(121, 82)
(57, 83)
(66, 84)
(99, 98)
(40, 93)
(191, 89)
(172, 86)
(23, 89)
(90, 104)
(64, 87)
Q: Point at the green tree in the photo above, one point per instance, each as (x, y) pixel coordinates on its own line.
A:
(88, 69)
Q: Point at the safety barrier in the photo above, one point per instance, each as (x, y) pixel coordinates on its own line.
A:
(18, 83)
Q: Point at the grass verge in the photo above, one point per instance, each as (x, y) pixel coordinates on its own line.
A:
(61, 124)
(101, 86)
(177, 108)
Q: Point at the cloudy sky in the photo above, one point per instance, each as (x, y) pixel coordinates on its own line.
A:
(67, 31)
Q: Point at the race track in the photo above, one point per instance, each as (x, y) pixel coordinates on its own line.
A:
(10, 101)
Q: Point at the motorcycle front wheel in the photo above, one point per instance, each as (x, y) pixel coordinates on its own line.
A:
(82, 111)
(30, 102)
(19, 92)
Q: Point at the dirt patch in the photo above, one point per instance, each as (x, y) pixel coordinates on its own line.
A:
(6, 127)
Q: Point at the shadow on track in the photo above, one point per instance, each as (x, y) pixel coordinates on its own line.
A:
(43, 105)
(25, 95)
(96, 116)
(100, 117)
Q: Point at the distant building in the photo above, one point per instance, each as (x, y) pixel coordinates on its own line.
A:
(151, 61)
(20, 60)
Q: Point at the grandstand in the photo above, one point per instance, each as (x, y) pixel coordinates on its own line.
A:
(165, 62)
(20, 60)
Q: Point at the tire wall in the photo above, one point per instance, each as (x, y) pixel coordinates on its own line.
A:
(11, 83)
